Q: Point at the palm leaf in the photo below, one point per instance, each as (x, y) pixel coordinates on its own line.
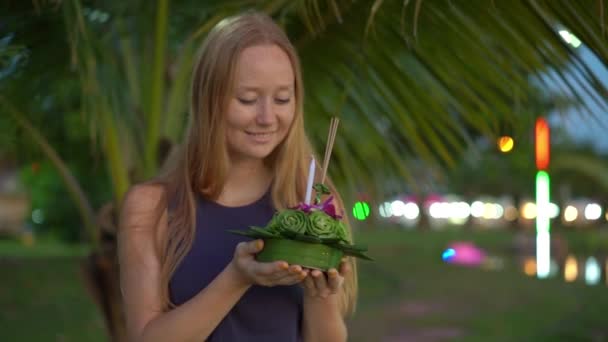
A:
(71, 183)
(590, 167)
(419, 80)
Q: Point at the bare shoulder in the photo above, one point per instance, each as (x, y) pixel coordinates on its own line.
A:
(144, 196)
(143, 206)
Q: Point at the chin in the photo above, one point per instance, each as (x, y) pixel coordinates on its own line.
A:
(257, 154)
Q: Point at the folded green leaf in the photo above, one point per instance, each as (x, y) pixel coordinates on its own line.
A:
(357, 254)
(330, 240)
(301, 237)
(291, 220)
(349, 247)
(255, 233)
(245, 233)
(265, 232)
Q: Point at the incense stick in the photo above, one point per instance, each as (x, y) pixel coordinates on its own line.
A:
(333, 128)
(327, 143)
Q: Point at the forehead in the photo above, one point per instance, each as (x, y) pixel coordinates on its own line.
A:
(263, 65)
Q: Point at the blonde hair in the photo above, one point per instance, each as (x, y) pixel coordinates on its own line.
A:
(201, 164)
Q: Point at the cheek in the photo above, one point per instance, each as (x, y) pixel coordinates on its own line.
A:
(287, 116)
(238, 116)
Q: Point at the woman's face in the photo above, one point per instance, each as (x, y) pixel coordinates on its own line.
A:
(262, 104)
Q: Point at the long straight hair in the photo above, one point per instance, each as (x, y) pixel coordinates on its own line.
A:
(201, 163)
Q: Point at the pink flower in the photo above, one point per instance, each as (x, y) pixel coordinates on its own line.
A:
(328, 207)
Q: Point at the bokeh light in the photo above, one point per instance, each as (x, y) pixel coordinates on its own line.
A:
(528, 211)
(385, 210)
(543, 253)
(570, 269)
(505, 144)
(593, 271)
(570, 214)
(477, 209)
(593, 211)
(492, 211)
(570, 38)
(37, 216)
(398, 208)
(361, 211)
(411, 211)
(553, 210)
(448, 254)
(530, 266)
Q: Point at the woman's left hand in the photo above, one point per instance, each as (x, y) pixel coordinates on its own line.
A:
(322, 285)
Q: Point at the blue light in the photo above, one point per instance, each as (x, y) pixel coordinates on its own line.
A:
(448, 254)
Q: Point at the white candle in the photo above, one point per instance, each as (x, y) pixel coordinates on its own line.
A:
(311, 176)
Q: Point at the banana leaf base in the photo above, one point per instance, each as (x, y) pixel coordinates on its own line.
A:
(305, 254)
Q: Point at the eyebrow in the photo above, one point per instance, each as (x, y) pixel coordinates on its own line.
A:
(282, 87)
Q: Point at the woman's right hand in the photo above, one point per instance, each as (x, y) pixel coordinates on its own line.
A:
(251, 272)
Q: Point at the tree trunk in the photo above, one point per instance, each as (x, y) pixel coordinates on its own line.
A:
(101, 277)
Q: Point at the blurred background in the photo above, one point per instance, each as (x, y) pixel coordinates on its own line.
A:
(472, 153)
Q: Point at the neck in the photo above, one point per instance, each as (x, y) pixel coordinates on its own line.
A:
(246, 181)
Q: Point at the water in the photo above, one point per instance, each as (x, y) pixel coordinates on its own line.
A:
(590, 270)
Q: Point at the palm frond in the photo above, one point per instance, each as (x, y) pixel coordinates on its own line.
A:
(71, 183)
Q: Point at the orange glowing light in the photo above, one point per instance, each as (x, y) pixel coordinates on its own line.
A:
(570, 269)
(505, 144)
(530, 266)
(542, 144)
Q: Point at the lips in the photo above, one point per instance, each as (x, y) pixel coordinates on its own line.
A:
(259, 133)
(260, 137)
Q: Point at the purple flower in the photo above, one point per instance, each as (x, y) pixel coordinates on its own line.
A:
(328, 207)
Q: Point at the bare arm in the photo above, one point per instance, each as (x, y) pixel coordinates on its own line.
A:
(140, 269)
(323, 320)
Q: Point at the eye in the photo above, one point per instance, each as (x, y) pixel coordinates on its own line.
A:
(247, 101)
(282, 101)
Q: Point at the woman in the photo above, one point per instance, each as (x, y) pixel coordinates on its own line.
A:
(183, 277)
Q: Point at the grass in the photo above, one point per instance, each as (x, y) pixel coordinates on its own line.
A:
(407, 294)
(43, 248)
(43, 299)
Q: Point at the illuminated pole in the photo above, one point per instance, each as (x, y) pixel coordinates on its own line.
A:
(543, 224)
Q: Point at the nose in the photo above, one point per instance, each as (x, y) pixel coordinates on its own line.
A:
(265, 115)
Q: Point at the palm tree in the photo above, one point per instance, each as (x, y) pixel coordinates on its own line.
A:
(416, 79)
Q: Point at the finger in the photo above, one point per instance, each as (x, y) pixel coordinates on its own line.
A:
(250, 247)
(292, 270)
(320, 283)
(283, 272)
(271, 269)
(345, 267)
(292, 279)
(309, 286)
(334, 280)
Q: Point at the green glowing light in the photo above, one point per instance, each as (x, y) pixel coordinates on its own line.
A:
(361, 211)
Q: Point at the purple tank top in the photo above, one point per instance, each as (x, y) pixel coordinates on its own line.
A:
(263, 313)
